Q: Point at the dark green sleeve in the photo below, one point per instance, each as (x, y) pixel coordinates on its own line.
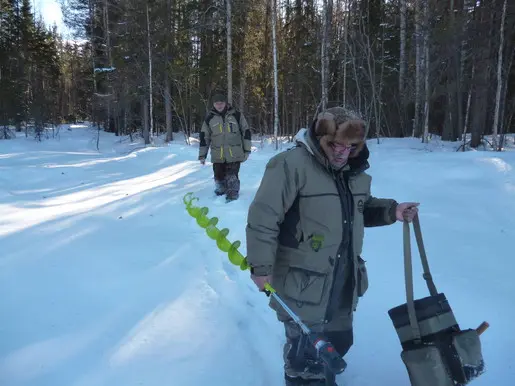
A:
(205, 140)
(379, 212)
(275, 195)
(246, 134)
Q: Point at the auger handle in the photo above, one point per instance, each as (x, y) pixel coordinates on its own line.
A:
(482, 328)
(326, 351)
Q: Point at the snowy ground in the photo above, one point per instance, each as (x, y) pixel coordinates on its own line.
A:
(107, 281)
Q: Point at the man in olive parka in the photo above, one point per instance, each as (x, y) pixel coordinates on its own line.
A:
(305, 233)
(226, 132)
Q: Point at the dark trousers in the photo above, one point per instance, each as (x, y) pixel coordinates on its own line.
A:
(227, 178)
(308, 366)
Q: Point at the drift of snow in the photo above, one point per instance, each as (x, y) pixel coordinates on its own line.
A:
(106, 280)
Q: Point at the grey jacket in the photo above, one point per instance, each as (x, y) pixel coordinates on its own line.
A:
(228, 140)
(306, 227)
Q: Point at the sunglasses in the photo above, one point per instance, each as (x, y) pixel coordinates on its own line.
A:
(341, 146)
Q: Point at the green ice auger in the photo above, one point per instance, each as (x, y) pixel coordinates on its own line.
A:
(326, 350)
(219, 235)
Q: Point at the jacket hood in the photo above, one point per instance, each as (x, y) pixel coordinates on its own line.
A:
(300, 138)
(305, 139)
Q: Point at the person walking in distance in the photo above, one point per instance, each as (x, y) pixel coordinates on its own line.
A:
(226, 131)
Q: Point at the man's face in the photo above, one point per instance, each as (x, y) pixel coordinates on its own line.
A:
(346, 142)
(219, 106)
(338, 153)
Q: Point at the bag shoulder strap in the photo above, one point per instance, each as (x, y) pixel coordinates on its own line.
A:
(408, 272)
(208, 118)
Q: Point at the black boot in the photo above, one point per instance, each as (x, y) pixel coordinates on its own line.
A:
(220, 188)
(233, 197)
(232, 184)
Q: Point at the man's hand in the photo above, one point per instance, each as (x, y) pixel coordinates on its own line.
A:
(261, 280)
(247, 155)
(406, 211)
(202, 161)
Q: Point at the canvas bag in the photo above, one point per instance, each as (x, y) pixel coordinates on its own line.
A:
(435, 351)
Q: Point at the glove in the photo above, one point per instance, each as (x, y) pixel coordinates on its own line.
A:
(202, 160)
(247, 155)
(406, 211)
(261, 280)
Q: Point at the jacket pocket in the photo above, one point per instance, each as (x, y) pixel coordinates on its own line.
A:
(236, 152)
(217, 153)
(233, 126)
(305, 287)
(362, 277)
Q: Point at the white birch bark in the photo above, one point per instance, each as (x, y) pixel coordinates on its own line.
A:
(426, 71)
(495, 128)
(168, 92)
(229, 51)
(276, 86)
(418, 70)
(326, 28)
(150, 77)
(402, 59)
(345, 54)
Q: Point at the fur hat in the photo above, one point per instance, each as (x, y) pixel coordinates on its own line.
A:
(339, 124)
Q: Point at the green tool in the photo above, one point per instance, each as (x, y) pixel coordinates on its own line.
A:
(219, 235)
(335, 364)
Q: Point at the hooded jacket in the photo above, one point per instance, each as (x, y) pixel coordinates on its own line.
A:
(228, 136)
(306, 227)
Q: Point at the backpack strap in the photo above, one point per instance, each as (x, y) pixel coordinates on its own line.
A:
(408, 273)
(208, 118)
(237, 115)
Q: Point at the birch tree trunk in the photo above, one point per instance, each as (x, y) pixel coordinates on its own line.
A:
(168, 92)
(458, 59)
(146, 133)
(125, 88)
(461, 58)
(345, 54)
(326, 28)
(380, 91)
(110, 61)
(402, 68)
(418, 72)
(503, 112)
(243, 80)
(149, 80)
(229, 52)
(241, 104)
(425, 136)
(469, 101)
(91, 6)
(322, 57)
(483, 64)
(276, 86)
(402, 58)
(495, 129)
